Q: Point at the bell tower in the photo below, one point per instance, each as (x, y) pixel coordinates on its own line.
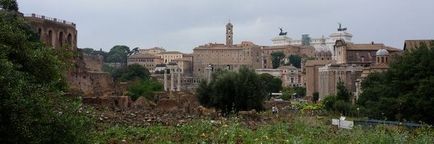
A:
(229, 34)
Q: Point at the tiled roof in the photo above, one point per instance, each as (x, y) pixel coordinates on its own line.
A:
(141, 55)
(317, 62)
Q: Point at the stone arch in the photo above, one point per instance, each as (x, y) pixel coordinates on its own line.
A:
(40, 32)
(50, 37)
(69, 39)
(61, 37)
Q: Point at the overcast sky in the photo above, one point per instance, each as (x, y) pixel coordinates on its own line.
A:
(184, 24)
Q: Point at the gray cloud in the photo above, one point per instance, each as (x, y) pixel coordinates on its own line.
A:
(184, 24)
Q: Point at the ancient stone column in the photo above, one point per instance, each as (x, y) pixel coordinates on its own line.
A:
(165, 80)
(209, 68)
(171, 80)
(178, 87)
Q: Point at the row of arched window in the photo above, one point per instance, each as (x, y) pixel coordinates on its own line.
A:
(50, 40)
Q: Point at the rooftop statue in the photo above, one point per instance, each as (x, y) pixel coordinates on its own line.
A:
(282, 33)
(341, 28)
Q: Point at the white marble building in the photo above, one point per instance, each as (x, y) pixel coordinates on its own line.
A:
(320, 44)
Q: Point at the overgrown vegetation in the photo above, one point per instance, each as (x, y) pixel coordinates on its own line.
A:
(32, 84)
(405, 92)
(340, 103)
(132, 72)
(140, 82)
(293, 92)
(272, 84)
(295, 60)
(231, 92)
(145, 88)
(276, 58)
(300, 130)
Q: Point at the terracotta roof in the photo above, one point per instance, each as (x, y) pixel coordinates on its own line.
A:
(412, 44)
(171, 52)
(317, 62)
(141, 55)
(375, 46)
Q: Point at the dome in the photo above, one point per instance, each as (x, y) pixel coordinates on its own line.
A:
(382, 52)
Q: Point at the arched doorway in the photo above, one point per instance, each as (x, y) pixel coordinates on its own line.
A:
(61, 39)
(50, 38)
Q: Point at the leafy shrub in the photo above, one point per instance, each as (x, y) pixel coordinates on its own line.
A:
(33, 108)
(329, 102)
(144, 88)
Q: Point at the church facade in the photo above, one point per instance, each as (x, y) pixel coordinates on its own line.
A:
(229, 56)
(352, 62)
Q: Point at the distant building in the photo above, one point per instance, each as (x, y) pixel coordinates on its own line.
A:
(169, 56)
(149, 61)
(273, 72)
(228, 56)
(312, 75)
(351, 61)
(152, 57)
(304, 51)
(318, 43)
(412, 44)
(290, 75)
(152, 51)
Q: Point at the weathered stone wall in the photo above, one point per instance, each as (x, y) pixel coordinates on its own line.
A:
(93, 62)
(88, 78)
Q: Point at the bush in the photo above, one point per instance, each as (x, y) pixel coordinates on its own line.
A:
(315, 97)
(329, 102)
(144, 88)
(342, 107)
(231, 92)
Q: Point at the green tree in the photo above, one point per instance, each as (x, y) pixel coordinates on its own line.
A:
(132, 72)
(295, 60)
(315, 97)
(233, 91)
(329, 102)
(342, 92)
(145, 88)
(204, 94)
(276, 58)
(118, 54)
(87, 50)
(405, 91)
(271, 83)
(32, 106)
(300, 91)
(11, 5)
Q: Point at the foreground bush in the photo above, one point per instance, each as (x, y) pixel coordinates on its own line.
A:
(33, 108)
